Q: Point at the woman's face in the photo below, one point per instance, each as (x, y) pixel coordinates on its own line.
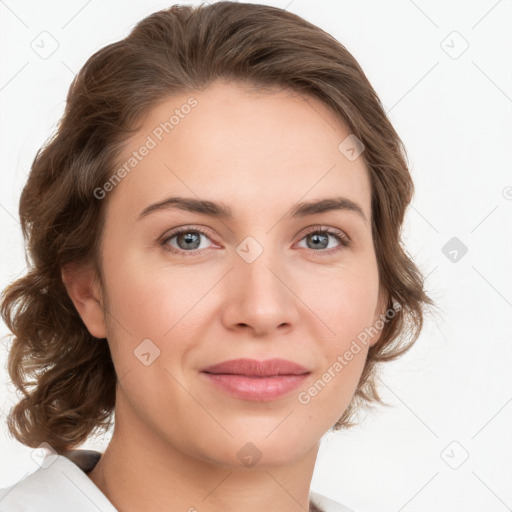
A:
(251, 276)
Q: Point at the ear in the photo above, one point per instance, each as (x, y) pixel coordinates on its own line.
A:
(380, 312)
(84, 290)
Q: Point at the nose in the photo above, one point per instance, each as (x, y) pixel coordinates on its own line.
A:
(259, 297)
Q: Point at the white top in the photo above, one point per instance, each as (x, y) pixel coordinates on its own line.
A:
(61, 484)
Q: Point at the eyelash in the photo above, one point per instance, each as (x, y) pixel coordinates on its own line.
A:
(343, 240)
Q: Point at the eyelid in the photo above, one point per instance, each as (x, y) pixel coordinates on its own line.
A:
(329, 229)
(188, 227)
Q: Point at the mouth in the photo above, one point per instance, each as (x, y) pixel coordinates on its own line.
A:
(253, 368)
(254, 380)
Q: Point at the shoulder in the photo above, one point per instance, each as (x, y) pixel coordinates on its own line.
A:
(327, 504)
(58, 485)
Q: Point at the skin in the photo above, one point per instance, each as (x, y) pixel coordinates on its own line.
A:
(176, 437)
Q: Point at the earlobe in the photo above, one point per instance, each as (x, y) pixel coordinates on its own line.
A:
(85, 293)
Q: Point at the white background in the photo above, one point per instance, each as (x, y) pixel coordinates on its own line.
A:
(454, 116)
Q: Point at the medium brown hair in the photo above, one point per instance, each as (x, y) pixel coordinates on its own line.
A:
(66, 375)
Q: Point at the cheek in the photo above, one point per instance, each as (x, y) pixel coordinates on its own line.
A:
(345, 302)
(346, 307)
(148, 302)
(159, 304)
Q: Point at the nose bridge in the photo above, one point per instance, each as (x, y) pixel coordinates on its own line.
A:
(256, 267)
(258, 275)
(258, 297)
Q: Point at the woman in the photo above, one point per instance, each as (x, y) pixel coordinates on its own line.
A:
(214, 234)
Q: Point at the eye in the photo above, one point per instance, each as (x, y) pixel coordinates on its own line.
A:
(188, 241)
(185, 241)
(317, 239)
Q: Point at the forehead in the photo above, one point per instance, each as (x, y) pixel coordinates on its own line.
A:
(248, 147)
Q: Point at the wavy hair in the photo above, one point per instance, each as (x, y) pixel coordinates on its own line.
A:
(66, 376)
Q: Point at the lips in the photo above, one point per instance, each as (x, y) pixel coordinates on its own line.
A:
(254, 380)
(254, 368)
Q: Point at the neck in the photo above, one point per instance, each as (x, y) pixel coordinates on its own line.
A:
(141, 471)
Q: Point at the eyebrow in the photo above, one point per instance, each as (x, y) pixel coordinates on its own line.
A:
(222, 211)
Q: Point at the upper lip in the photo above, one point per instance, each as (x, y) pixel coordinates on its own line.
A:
(253, 367)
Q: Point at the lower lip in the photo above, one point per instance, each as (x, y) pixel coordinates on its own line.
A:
(258, 389)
